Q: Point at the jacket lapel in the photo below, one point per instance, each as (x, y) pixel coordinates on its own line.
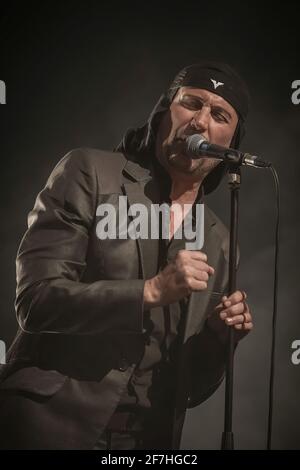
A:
(144, 191)
(195, 313)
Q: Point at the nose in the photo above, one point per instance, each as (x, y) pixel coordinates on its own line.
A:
(200, 119)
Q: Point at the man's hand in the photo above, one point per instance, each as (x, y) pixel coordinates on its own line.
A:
(188, 272)
(232, 311)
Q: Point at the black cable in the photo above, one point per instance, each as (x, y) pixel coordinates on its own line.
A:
(274, 318)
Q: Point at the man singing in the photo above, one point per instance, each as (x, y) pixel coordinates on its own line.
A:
(120, 335)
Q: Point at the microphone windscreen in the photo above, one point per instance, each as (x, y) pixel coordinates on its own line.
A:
(193, 143)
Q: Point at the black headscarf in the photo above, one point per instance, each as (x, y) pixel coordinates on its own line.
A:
(215, 77)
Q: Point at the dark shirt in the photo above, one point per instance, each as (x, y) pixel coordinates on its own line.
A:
(150, 379)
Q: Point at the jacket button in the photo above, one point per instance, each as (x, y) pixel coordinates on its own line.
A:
(123, 364)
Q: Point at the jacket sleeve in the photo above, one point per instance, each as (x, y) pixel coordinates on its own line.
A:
(52, 259)
(208, 360)
(207, 366)
(209, 349)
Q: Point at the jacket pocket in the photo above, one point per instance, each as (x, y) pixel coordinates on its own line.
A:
(34, 380)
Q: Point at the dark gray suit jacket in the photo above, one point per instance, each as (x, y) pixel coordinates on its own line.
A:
(79, 305)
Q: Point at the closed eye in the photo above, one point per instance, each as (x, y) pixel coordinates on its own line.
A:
(191, 103)
(219, 117)
(220, 114)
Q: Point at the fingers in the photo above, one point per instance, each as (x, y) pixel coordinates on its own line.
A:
(236, 314)
(194, 264)
(244, 326)
(239, 322)
(211, 270)
(198, 285)
(235, 303)
(202, 263)
(237, 319)
(236, 309)
(237, 296)
(201, 272)
(199, 255)
(192, 285)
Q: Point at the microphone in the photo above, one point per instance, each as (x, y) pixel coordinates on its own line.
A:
(198, 147)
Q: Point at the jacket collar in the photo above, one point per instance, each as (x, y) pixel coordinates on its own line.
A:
(138, 172)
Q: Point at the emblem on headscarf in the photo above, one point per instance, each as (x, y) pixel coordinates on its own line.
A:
(216, 84)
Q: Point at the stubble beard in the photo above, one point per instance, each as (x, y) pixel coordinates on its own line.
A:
(175, 157)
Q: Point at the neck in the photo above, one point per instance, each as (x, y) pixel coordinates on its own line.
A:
(184, 191)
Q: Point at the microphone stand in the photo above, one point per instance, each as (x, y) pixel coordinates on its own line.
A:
(234, 186)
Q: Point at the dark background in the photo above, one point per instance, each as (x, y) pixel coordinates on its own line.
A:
(81, 76)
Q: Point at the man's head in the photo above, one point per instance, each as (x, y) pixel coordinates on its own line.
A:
(194, 110)
(208, 99)
(214, 87)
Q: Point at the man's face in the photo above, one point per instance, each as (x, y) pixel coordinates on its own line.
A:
(194, 111)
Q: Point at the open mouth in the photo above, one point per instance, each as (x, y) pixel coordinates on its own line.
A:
(179, 145)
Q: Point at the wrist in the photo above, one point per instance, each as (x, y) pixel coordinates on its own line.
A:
(151, 293)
